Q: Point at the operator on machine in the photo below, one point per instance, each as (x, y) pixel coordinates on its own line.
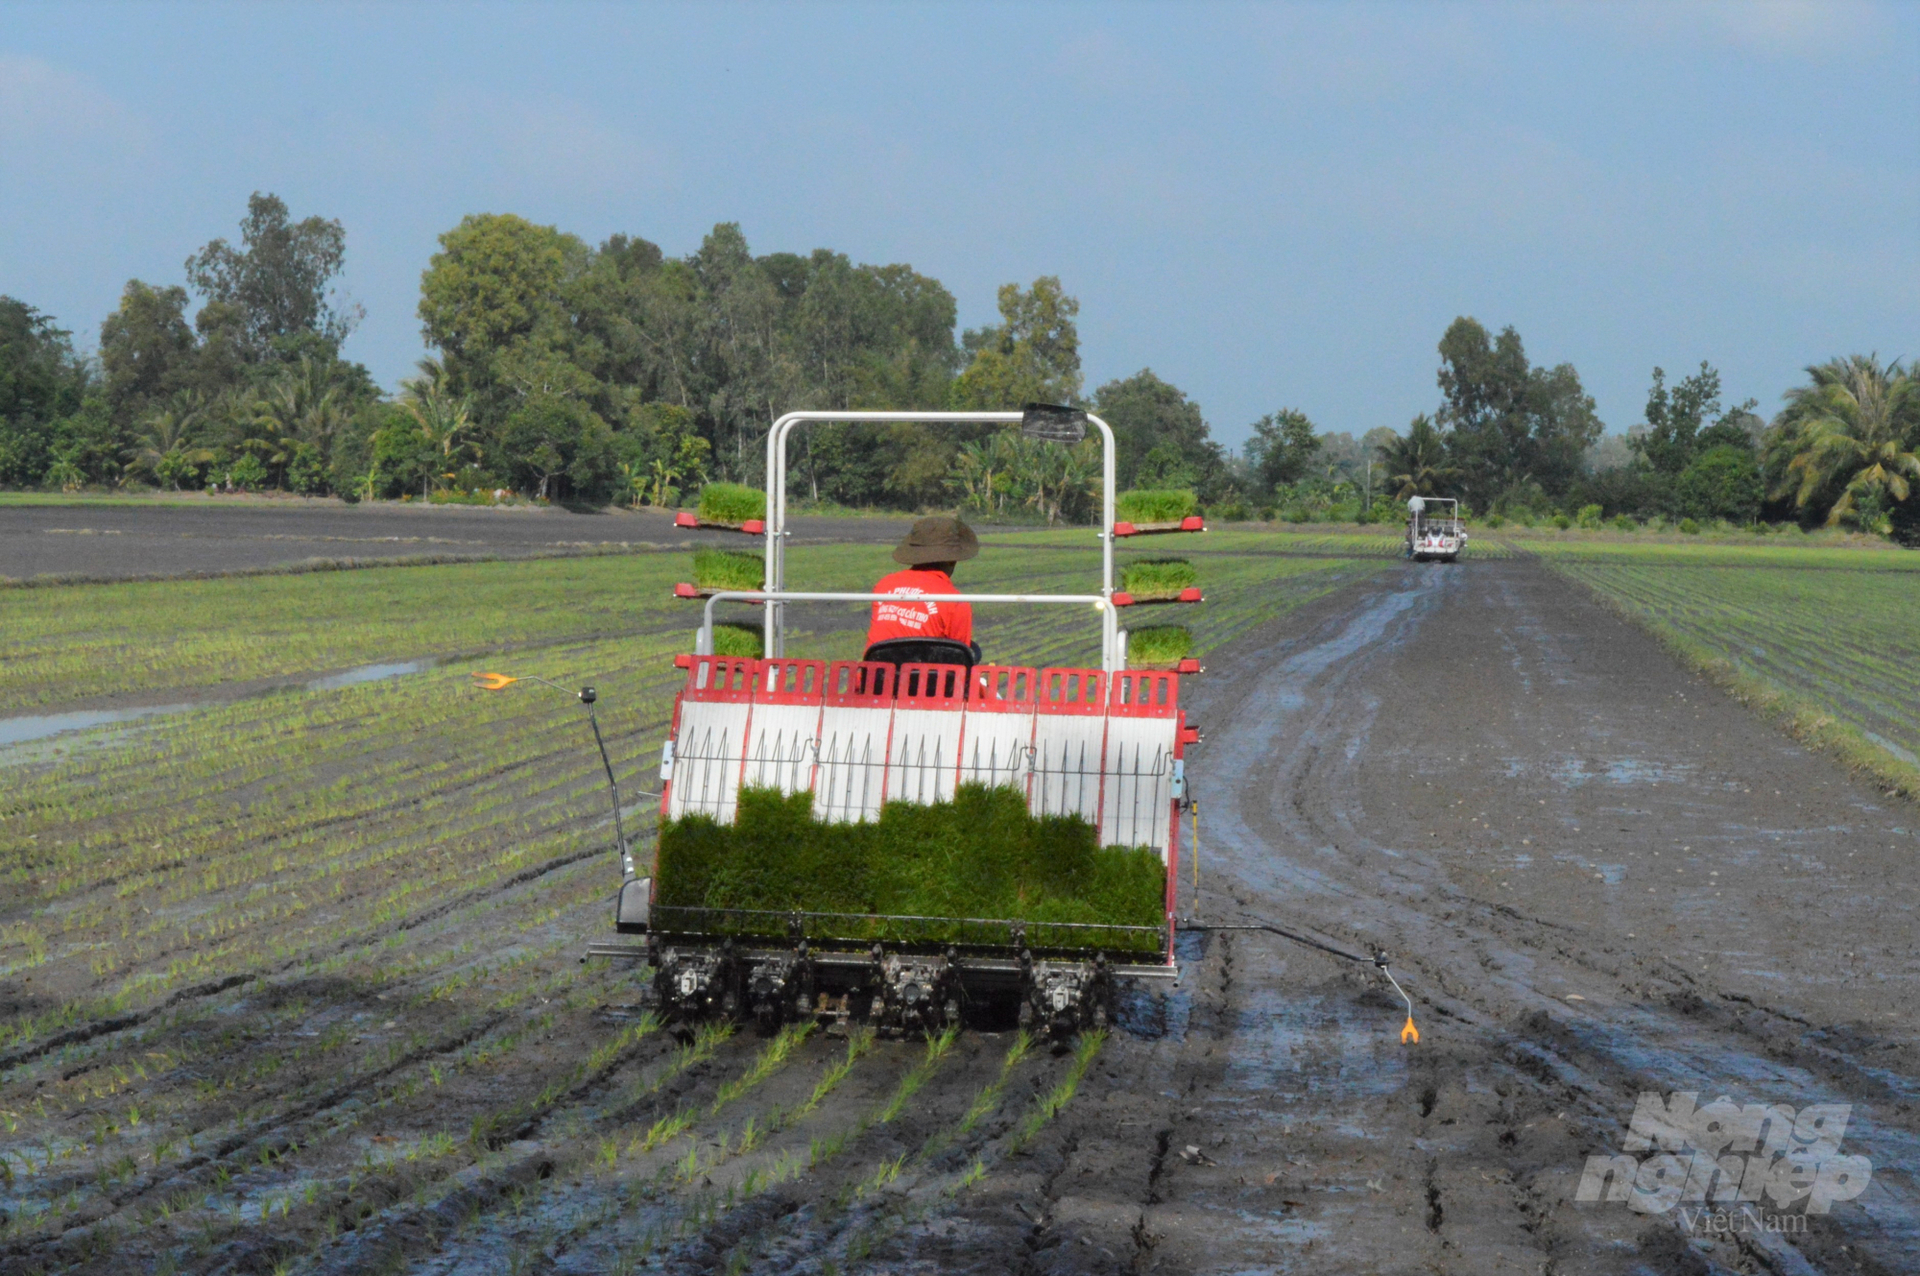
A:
(929, 553)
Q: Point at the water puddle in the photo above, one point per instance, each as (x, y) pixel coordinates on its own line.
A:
(38, 729)
(26, 730)
(369, 673)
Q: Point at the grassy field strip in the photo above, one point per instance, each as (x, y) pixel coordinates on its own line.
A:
(1764, 623)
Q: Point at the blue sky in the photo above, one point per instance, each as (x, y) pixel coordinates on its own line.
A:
(1275, 205)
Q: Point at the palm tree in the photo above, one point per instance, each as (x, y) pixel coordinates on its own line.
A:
(167, 450)
(1847, 440)
(1416, 465)
(443, 421)
(298, 408)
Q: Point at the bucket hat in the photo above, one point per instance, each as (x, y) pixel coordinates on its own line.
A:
(937, 540)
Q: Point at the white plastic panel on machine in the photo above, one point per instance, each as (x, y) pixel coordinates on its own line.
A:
(1067, 752)
(852, 776)
(1139, 782)
(924, 756)
(781, 745)
(994, 747)
(706, 759)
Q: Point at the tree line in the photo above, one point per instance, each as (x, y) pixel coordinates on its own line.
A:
(565, 371)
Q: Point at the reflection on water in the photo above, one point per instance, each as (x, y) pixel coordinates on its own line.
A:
(38, 727)
(32, 728)
(367, 673)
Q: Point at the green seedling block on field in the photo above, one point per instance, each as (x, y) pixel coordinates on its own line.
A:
(744, 641)
(1159, 645)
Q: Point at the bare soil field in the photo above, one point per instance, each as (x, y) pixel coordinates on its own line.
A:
(1598, 875)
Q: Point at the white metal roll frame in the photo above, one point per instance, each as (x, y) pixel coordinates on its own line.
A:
(776, 595)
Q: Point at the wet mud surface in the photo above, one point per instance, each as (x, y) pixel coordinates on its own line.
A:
(115, 542)
(1598, 876)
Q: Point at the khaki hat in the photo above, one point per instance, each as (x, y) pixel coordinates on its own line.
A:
(937, 540)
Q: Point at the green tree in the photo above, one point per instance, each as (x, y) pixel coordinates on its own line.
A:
(42, 383)
(275, 285)
(558, 449)
(1417, 464)
(1031, 356)
(1844, 446)
(498, 280)
(167, 448)
(1511, 426)
(1159, 430)
(147, 350)
(1721, 482)
(1282, 447)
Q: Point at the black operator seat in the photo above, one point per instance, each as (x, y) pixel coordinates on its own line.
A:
(923, 651)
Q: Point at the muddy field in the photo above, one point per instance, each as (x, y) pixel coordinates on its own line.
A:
(111, 542)
(1598, 876)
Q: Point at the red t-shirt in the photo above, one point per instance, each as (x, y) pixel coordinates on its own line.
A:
(919, 617)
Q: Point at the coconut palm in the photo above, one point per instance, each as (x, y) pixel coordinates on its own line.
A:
(1416, 465)
(297, 408)
(167, 449)
(1847, 440)
(443, 421)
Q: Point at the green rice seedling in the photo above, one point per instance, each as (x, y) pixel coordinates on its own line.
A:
(981, 855)
(1159, 645)
(770, 1059)
(1061, 1095)
(731, 503)
(728, 569)
(938, 1048)
(1154, 506)
(989, 1097)
(1158, 577)
(744, 641)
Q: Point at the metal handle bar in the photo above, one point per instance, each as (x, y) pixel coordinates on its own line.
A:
(703, 643)
(774, 623)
